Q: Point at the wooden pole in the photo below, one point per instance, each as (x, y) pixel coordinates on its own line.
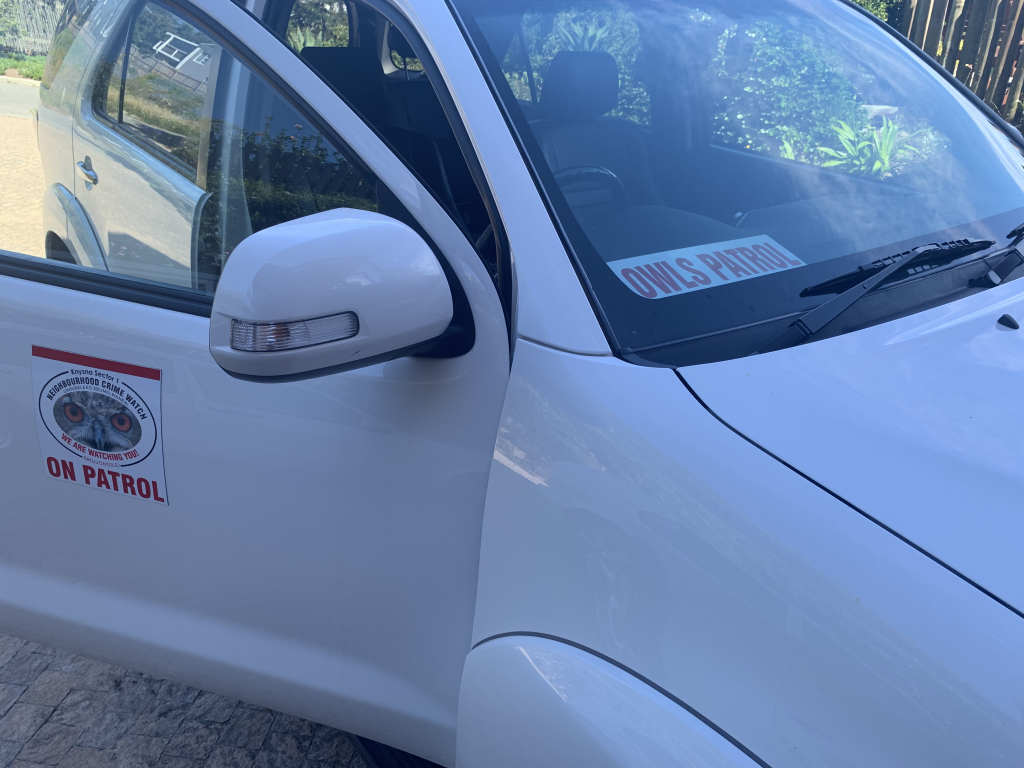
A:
(921, 18)
(909, 7)
(989, 38)
(1013, 102)
(954, 34)
(972, 40)
(935, 23)
(1007, 56)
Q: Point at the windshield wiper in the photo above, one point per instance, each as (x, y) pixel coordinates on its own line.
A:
(1001, 269)
(813, 321)
(943, 254)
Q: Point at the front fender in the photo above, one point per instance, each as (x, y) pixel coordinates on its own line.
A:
(623, 517)
(64, 216)
(533, 701)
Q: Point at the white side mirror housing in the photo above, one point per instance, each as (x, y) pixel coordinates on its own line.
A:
(336, 290)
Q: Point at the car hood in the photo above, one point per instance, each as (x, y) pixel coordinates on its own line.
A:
(918, 422)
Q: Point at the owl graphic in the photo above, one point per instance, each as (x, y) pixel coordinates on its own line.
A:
(97, 421)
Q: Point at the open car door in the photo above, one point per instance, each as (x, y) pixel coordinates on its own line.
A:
(311, 545)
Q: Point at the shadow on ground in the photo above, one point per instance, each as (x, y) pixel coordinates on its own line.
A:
(64, 710)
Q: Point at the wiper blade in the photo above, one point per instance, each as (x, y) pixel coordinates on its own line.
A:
(813, 321)
(943, 254)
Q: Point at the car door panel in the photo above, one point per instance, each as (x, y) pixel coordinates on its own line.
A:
(319, 549)
(73, 48)
(333, 519)
(153, 239)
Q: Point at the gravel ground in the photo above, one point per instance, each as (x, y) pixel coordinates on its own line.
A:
(60, 709)
(21, 196)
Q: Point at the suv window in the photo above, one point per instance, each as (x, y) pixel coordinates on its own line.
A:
(70, 24)
(249, 159)
(159, 96)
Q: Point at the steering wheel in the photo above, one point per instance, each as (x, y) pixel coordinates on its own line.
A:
(593, 176)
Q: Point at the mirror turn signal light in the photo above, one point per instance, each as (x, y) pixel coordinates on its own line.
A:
(276, 337)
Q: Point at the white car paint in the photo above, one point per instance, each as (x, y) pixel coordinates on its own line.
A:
(63, 215)
(326, 538)
(924, 432)
(325, 264)
(280, 576)
(623, 516)
(578, 710)
(550, 304)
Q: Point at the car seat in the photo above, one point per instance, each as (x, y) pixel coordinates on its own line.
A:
(582, 143)
(415, 106)
(356, 73)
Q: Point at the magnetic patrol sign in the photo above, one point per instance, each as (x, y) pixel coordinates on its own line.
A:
(685, 270)
(99, 423)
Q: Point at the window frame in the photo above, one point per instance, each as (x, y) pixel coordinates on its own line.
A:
(504, 279)
(136, 290)
(124, 30)
(457, 339)
(119, 126)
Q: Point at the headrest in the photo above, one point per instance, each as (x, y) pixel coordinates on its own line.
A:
(580, 84)
(356, 74)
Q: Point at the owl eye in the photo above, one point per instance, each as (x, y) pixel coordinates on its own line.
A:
(122, 422)
(73, 412)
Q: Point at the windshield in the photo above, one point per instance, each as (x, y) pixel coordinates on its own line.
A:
(709, 160)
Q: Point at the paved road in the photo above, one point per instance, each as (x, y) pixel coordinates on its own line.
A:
(21, 194)
(18, 99)
(59, 709)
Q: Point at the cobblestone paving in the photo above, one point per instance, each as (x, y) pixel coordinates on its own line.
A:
(60, 709)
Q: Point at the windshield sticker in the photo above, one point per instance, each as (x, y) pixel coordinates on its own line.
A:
(99, 423)
(685, 270)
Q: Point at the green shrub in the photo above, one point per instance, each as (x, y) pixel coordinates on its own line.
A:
(780, 92)
(27, 66)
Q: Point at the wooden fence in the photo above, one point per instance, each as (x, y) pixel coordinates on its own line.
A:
(36, 21)
(980, 41)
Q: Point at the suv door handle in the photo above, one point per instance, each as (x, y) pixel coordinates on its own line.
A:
(88, 174)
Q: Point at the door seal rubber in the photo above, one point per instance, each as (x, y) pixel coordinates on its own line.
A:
(86, 280)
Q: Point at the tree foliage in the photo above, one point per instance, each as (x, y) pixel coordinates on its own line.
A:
(776, 87)
(317, 23)
(886, 10)
(10, 24)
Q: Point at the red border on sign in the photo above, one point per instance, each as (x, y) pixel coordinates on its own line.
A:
(96, 362)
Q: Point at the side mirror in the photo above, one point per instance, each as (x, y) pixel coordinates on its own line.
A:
(336, 290)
